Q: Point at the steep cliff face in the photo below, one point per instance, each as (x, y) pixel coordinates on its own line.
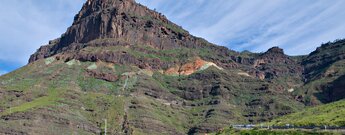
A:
(322, 58)
(123, 20)
(122, 31)
(323, 73)
(120, 22)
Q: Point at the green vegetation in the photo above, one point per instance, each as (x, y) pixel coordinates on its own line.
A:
(146, 101)
(96, 85)
(55, 96)
(332, 114)
(150, 110)
(99, 106)
(51, 98)
(123, 82)
(327, 75)
(231, 131)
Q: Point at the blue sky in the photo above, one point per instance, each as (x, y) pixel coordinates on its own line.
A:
(298, 26)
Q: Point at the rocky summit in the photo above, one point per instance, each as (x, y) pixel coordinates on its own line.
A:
(128, 65)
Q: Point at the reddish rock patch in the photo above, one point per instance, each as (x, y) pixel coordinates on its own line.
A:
(188, 68)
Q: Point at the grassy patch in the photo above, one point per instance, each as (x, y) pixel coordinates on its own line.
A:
(158, 113)
(51, 98)
(96, 85)
(231, 131)
(332, 114)
(103, 106)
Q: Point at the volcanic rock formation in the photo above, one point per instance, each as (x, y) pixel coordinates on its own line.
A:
(128, 64)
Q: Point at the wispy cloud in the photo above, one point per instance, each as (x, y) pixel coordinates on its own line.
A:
(297, 26)
(27, 24)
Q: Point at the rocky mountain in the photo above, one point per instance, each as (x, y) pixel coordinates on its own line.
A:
(324, 73)
(125, 63)
(114, 26)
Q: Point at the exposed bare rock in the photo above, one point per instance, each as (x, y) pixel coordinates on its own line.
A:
(124, 20)
(274, 63)
(104, 76)
(190, 68)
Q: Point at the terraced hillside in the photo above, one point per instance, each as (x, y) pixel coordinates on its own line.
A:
(126, 64)
(77, 96)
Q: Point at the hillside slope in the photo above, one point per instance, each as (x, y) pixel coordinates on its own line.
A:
(76, 96)
(125, 63)
(324, 72)
(332, 114)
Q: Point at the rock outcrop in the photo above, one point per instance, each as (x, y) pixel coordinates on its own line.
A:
(191, 67)
(123, 21)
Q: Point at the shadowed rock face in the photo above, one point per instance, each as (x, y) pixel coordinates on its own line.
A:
(276, 64)
(333, 91)
(324, 73)
(323, 57)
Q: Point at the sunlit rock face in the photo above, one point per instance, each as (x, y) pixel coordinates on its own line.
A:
(191, 67)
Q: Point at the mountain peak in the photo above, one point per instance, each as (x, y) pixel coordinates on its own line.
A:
(95, 6)
(116, 31)
(275, 50)
(126, 63)
(122, 22)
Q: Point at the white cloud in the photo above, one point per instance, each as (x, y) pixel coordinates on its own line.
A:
(297, 26)
(26, 25)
